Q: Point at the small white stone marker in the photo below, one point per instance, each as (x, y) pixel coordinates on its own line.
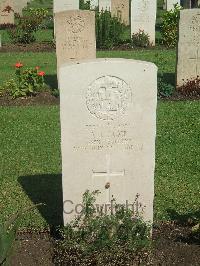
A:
(108, 130)
(188, 59)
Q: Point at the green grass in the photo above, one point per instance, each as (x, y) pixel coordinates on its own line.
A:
(30, 162)
(164, 59)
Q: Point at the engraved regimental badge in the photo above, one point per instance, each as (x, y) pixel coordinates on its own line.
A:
(108, 97)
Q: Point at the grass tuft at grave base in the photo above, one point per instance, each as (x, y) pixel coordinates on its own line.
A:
(30, 162)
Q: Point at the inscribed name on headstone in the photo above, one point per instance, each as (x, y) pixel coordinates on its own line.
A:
(6, 12)
(104, 5)
(121, 9)
(75, 35)
(108, 125)
(188, 59)
(143, 17)
(64, 5)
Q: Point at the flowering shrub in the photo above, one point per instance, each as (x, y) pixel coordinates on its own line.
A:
(108, 30)
(27, 82)
(169, 27)
(140, 39)
(27, 25)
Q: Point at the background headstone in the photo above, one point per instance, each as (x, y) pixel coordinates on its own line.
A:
(108, 125)
(121, 9)
(19, 5)
(104, 5)
(6, 12)
(188, 59)
(63, 5)
(75, 35)
(170, 4)
(143, 17)
(94, 4)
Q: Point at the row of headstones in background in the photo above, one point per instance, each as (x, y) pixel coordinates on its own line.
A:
(188, 59)
(169, 4)
(7, 14)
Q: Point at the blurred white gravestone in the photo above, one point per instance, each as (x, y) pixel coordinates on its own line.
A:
(6, 12)
(19, 5)
(188, 59)
(104, 5)
(121, 9)
(60, 5)
(108, 128)
(170, 4)
(94, 4)
(143, 17)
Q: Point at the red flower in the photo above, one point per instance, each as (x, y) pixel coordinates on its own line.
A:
(42, 73)
(18, 65)
(37, 67)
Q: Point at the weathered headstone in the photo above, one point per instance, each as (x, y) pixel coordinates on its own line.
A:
(108, 124)
(104, 5)
(188, 60)
(60, 5)
(121, 9)
(75, 36)
(6, 12)
(143, 17)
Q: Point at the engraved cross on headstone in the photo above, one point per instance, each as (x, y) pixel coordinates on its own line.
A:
(197, 61)
(108, 174)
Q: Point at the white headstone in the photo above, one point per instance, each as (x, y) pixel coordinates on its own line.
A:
(104, 5)
(108, 125)
(94, 4)
(170, 4)
(143, 17)
(19, 5)
(64, 5)
(188, 60)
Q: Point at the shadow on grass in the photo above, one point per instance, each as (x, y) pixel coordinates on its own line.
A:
(187, 220)
(184, 219)
(45, 189)
(169, 78)
(51, 81)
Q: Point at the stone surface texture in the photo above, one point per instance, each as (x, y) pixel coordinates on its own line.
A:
(121, 9)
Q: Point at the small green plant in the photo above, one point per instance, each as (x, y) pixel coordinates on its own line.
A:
(140, 39)
(8, 233)
(85, 5)
(108, 30)
(169, 27)
(26, 82)
(164, 89)
(26, 26)
(97, 238)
